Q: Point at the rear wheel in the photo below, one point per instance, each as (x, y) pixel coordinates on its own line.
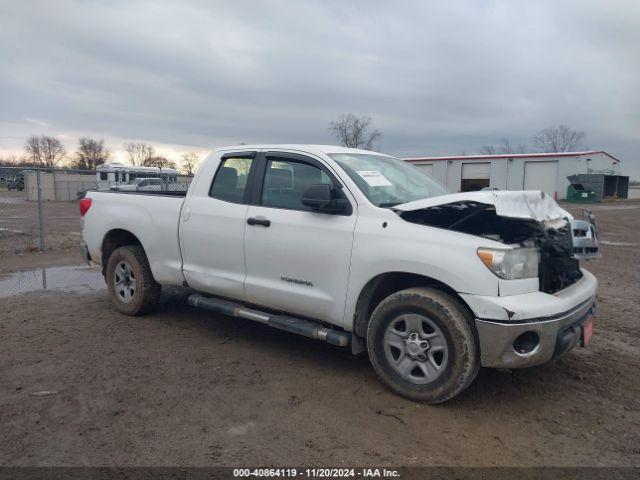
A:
(422, 345)
(131, 285)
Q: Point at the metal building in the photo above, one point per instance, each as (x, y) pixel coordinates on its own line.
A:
(528, 171)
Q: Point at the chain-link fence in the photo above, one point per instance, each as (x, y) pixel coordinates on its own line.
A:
(38, 206)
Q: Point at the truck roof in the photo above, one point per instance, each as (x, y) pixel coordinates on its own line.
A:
(299, 147)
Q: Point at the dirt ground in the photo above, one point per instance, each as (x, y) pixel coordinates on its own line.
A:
(82, 385)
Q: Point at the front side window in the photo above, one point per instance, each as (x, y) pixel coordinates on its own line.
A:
(104, 176)
(230, 181)
(285, 181)
(387, 181)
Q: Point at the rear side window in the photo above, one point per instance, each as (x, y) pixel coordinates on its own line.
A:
(230, 181)
(104, 176)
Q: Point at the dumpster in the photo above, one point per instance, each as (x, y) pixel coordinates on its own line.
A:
(576, 193)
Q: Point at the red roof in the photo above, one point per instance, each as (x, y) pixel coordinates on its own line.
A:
(511, 155)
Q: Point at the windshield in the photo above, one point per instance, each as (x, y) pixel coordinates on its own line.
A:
(387, 181)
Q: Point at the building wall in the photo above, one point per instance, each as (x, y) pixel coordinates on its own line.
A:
(508, 174)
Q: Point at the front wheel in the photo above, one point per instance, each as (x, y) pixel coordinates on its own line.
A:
(131, 285)
(422, 345)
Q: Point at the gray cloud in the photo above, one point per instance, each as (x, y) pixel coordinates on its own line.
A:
(437, 77)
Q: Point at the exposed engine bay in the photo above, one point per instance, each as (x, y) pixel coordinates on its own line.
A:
(553, 237)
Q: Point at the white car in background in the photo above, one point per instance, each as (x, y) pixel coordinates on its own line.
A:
(142, 185)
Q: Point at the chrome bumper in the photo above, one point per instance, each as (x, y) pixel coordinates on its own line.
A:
(585, 236)
(84, 251)
(556, 336)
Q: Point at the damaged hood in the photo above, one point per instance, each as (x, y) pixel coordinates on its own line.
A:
(532, 204)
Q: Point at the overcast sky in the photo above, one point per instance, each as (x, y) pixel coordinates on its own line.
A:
(436, 77)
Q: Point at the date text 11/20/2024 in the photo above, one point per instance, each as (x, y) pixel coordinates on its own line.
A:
(316, 472)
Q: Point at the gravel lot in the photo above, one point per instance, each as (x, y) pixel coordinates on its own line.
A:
(83, 385)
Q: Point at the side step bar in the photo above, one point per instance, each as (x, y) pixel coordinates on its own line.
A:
(306, 328)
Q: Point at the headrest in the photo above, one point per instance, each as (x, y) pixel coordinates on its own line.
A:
(279, 178)
(228, 177)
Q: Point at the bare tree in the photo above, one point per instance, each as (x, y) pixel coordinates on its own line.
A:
(33, 150)
(354, 132)
(488, 150)
(559, 139)
(12, 160)
(44, 151)
(190, 163)
(138, 152)
(505, 147)
(90, 154)
(158, 161)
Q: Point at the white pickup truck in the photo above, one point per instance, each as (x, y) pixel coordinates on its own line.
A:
(357, 249)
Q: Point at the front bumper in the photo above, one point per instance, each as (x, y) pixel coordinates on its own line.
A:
(553, 337)
(553, 323)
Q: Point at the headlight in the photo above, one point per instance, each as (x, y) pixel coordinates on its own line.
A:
(511, 264)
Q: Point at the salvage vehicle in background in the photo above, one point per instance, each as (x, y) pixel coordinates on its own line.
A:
(142, 185)
(357, 249)
(16, 183)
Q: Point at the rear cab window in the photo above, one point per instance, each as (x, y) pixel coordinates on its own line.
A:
(230, 181)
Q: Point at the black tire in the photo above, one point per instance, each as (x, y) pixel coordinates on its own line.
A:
(456, 332)
(146, 292)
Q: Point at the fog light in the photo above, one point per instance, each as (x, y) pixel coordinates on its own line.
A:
(526, 342)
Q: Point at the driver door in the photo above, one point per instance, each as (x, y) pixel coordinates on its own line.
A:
(297, 259)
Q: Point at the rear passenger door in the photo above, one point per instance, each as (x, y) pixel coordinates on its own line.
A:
(297, 259)
(213, 226)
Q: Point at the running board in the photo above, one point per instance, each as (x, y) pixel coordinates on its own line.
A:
(306, 328)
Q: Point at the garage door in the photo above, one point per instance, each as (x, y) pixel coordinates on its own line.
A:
(472, 171)
(475, 176)
(541, 176)
(426, 168)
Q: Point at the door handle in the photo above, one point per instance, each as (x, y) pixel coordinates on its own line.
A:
(258, 221)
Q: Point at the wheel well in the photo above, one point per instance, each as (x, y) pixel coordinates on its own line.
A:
(385, 284)
(115, 239)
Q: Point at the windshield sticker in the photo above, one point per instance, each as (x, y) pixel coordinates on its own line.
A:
(374, 178)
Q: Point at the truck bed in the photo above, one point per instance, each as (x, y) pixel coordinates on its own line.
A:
(152, 217)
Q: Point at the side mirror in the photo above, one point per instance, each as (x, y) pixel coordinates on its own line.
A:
(319, 198)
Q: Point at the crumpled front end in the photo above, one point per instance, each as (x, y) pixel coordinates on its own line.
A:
(518, 328)
(519, 220)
